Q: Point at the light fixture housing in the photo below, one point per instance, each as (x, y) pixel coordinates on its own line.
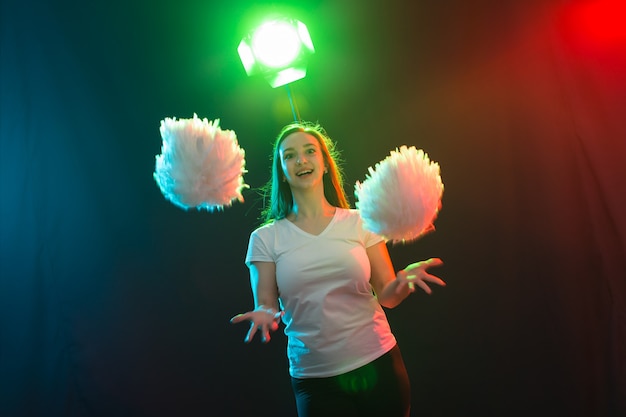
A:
(278, 49)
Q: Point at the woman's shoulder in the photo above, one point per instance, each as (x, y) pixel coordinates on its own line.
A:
(351, 219)
(268, 227)
(348, 213)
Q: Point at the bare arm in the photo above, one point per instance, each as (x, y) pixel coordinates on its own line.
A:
(266, 314)
(263, 283)
(391, 288)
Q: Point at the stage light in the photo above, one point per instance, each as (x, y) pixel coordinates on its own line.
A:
(278, 49)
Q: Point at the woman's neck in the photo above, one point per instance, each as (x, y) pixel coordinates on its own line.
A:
(310, 206)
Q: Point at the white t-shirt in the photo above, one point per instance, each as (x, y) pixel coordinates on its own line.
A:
(333, 322)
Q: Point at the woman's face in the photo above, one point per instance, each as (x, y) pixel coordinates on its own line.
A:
(302, 160)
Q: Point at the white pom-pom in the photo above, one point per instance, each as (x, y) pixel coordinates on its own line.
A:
(200, 165)
(400, 199)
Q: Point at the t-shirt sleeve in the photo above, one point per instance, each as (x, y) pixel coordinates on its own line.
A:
(368, 238)
(258, 249)
(371, 238)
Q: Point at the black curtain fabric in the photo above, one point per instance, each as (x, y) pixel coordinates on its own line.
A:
(114, 302)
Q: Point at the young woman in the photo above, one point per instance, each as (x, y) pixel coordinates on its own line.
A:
(313, 265)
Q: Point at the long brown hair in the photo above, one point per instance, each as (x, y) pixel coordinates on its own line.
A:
(281, 200)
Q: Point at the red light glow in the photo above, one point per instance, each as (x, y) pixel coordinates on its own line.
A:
(599, 21)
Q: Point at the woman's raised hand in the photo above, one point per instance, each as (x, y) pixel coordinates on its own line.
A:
(416, 274)
(261, 319)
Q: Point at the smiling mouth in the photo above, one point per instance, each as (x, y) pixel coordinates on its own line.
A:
(301, 173)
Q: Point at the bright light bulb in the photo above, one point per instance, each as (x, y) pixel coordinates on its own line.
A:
(276, 44)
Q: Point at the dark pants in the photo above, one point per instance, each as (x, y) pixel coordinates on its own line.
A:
(380, 388)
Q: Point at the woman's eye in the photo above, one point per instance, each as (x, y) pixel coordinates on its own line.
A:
(287, 156)
(311, 150)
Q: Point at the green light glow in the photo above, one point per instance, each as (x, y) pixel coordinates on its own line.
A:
(286, 76)
(246, 55)
(303, 33)
(276, 44)
(278, 49)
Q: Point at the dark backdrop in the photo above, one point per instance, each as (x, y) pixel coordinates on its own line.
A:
(114, 302)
